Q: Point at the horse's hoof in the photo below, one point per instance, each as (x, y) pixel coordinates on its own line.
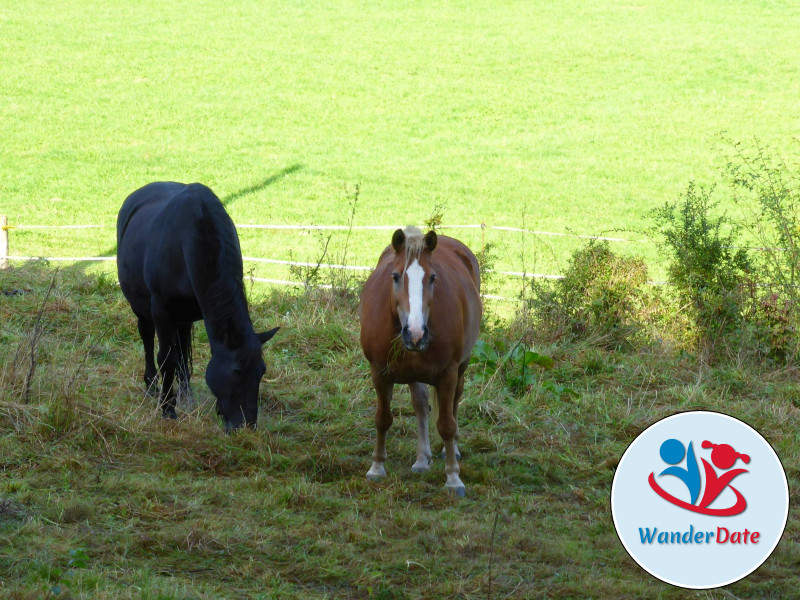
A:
(376, 472)
(458, 491)
(422, 466)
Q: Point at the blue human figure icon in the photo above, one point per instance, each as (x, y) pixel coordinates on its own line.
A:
(672, 453)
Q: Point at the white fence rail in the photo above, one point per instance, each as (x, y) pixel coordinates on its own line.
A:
(6, 228)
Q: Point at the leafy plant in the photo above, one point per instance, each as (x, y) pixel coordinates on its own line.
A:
(519, 368)
(434, 220)
(59, 578)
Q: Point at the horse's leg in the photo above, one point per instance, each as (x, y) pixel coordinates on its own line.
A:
(184, 360)
(456, 400)
(446, 424)
(167, 364)
(147, 332)
(383, 420)
(419, 398)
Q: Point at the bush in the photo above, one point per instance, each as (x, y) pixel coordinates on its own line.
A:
(705, 263)
(768, 192)
(599, 297)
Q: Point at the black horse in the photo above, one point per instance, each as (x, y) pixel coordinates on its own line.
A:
(179, 261)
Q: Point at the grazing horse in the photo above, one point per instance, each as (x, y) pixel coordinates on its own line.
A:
(179, 261)
(420, 316)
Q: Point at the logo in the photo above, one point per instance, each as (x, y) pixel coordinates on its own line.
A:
(699, 500)
(723, 456)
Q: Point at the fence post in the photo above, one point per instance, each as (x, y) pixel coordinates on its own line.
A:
(3, 242)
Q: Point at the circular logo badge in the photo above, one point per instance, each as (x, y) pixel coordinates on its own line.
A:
(700, 500)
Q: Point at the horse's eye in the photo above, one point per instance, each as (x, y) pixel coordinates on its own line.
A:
(433, 277)
(396, 276)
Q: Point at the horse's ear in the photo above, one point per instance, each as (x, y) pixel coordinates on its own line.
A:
(430, 240)
(266, 335)
(399, 240)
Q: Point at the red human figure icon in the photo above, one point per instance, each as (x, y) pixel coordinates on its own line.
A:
(724, 457)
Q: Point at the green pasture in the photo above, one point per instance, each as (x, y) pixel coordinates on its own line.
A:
(568, 117)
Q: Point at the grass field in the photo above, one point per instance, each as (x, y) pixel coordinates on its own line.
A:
(152, 509)
(581, 116)
(574, 117)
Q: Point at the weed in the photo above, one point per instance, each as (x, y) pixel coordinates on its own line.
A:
(517, 367)
(29, 349)
(487, 258)
(341, 278)
(59, 579)
(309, 274)
(434, 220)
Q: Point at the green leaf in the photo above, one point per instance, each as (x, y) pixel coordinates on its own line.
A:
(559, 390)
(534, 358)
(78, 559)
(484, 353)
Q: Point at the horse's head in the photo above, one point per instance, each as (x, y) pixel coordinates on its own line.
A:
(234, 377)
(413, 277)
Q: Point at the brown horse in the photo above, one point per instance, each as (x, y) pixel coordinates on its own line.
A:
(420, 316)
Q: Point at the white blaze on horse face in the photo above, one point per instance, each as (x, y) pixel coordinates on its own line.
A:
(416, 320)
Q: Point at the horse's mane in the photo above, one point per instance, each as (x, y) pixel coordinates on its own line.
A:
(415, 243)
(226, 290)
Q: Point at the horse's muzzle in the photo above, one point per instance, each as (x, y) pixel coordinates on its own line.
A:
(418, 345)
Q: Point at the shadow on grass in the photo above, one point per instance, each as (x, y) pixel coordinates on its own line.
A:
(230, 198)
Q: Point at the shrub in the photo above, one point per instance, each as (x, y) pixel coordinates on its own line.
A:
(704, 262)
(768, 192)
(599, 297)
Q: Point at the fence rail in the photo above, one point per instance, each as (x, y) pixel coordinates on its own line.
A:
(6, 228)
(5, 255)
(285, 227)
